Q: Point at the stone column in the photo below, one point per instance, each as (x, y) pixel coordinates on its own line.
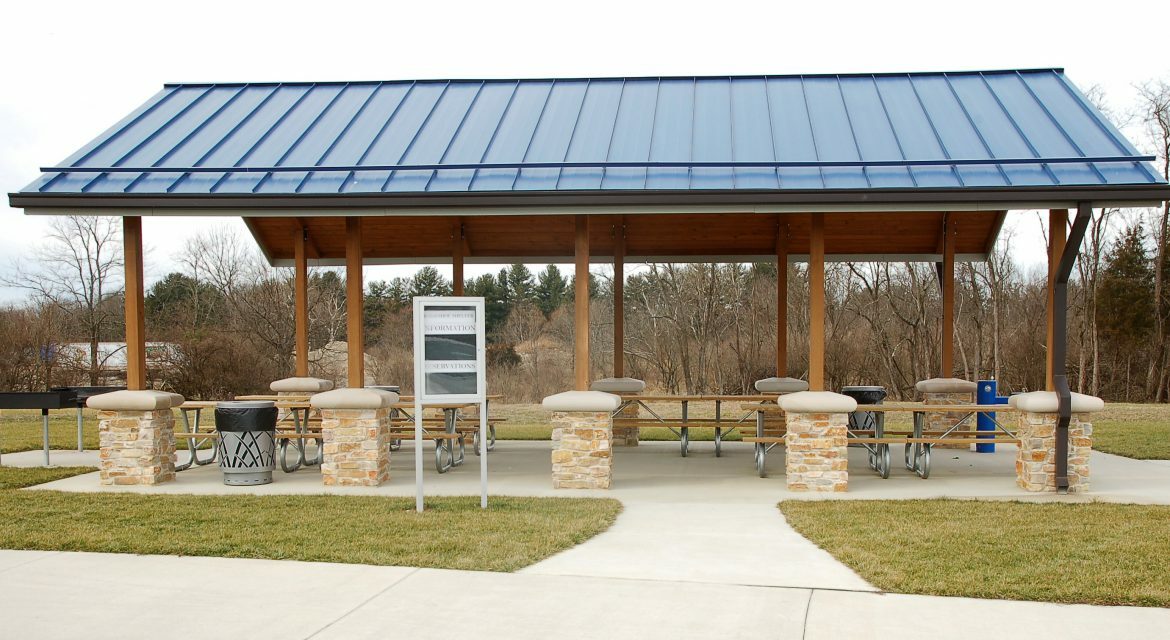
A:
(355, 429)
(623, 436)
(627, 436)
(582, 439)
(816, 451)
(1036, 457)
(137, 436)
(947, 391)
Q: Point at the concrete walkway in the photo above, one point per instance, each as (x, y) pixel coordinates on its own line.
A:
(732, 544)
(97, 596)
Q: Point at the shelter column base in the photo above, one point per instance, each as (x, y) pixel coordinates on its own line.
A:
(944, 391)
(582, 455)
(627, 436)
(816, 456)
(356, 447)
(1036, 458)
(137, 447)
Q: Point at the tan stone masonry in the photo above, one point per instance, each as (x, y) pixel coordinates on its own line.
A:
(582, 457)
(942, 421)
(816, 452)
(628, 436)
(356, 447)
(1036, 459)
(137, 447)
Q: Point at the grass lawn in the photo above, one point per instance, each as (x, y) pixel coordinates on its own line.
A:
(454, 533)
(20, 430)
(18, 477)
(1133, 430)
(1093, 553)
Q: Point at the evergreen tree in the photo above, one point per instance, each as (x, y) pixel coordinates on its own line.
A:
(429, 282)
(495, 306)
(180, 300)
(1125, 306)
(520, 284)
(551, 289)
(594, 287)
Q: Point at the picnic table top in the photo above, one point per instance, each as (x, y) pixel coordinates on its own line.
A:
(306, 396)
(697, 397)
(907, 406)
(301, 404)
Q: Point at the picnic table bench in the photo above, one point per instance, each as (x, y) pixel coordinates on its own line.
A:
(917, 443)
(681, 426)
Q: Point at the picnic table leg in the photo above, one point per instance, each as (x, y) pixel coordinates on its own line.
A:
(718, 428)
(45, 433)
(190, 442)
(195, 455)
(761, 448)
(452, 420)
(684, 435)
(80, 419)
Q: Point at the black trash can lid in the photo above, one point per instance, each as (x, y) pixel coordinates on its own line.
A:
(865, 394)
(245, 404)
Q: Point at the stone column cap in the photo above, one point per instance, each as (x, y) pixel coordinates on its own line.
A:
(781, 385)
(145, 400)
(618, 385)
(816, 402)
(946, 385)
(1048, 402)
(353, 399)
(582, 401)
(301, 385)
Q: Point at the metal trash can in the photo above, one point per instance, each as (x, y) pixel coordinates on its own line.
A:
(247, 441)
(864, 420)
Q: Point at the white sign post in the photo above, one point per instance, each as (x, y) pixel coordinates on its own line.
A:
(450, 366)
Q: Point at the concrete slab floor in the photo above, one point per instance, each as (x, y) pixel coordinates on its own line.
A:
(654, 472)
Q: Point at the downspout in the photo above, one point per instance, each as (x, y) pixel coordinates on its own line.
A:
(1060, 339)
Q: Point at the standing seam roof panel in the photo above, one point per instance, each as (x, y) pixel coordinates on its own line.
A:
(186, 139)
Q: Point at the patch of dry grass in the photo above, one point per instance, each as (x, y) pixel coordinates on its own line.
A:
(1133, 430)
(454, 533)
(20, 430)
(21, 477)
(1092, 553)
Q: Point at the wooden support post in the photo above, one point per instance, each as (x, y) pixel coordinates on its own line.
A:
(1057, 232)
(816, 303)
(947, 339)
(135, 307)
(781, 298)
(619, 303)
(581, 305)
(301, 298)
(353, 303)
(457, 258)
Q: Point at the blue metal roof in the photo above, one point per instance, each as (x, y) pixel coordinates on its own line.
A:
(936, 131)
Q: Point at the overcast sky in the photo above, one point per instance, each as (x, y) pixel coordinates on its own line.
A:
(71, 69)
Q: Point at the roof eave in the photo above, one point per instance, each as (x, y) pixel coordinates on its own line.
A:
(553, 202)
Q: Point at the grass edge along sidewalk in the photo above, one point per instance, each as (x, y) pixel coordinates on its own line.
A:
(454, 533)
(1089, 553)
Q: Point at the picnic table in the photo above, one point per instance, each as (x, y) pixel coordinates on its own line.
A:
(917, 443)
(681, 426)
(297, 410)
(450, 449)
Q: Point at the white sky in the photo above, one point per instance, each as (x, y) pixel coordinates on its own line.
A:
(69, 70)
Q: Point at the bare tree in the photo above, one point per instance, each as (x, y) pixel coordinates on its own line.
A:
(77, 269)
(1154, 108)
